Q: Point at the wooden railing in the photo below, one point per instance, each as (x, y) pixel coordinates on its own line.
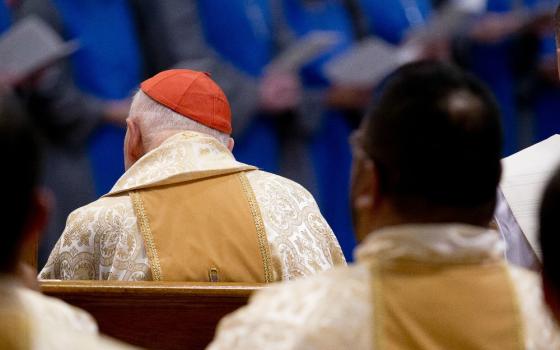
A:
(154, 315)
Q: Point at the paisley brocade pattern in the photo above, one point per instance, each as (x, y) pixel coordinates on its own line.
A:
(328, 311)
(300, 239)
(102, 240)
(335, 309)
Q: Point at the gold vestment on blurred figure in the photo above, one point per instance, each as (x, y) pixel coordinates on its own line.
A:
(432, 286)
(30, 320)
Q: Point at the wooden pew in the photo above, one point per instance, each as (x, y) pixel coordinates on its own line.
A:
(154, 315)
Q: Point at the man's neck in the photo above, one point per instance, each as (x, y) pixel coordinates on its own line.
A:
(154, 141)
(388, 216)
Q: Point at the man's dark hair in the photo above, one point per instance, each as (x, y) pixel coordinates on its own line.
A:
(435, 137)
(550, 230)
(19, 177)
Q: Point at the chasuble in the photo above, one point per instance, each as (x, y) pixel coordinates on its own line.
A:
(188, 210)
(413, 287)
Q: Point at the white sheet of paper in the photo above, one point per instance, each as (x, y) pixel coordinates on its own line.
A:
(470, 6)
(29, 46)
(305, 50)
(365, 64)
(448, 20)
(525, 176)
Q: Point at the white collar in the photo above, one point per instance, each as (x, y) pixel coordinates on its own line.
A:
(183, 157)
(433, 243)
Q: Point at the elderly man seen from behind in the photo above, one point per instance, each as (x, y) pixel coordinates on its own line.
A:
(186, 210)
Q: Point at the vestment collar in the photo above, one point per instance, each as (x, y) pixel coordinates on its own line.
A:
(186, 156)
(433, 243)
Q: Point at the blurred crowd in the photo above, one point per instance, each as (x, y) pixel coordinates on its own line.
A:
(295, 123)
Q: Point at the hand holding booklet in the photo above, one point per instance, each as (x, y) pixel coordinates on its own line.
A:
(29, 46)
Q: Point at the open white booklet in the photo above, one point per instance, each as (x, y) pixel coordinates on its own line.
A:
(524, 179)
(305, 50)
(29, 46)
(364, 64)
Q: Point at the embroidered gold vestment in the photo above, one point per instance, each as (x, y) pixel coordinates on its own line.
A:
(413, 287)
(106, 239)
(205, 230)
(431, 307)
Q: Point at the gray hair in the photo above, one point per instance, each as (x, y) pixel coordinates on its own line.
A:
(155, 118)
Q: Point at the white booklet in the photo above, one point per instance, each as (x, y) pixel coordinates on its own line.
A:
(365, 64)
(525, 176)
(448, 20)
(30, 45)
(305, 50)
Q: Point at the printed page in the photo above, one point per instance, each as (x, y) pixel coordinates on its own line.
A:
(304, 51)
(525, 176)
(29, 46)
(365, 64)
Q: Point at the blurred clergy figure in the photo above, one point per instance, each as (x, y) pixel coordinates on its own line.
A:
(430, 274)
(186, 210)
(28, 319)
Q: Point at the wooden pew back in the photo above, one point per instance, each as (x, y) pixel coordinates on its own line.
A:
(154, 315)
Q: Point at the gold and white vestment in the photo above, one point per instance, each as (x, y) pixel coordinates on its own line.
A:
(103, 241)
(452, 278)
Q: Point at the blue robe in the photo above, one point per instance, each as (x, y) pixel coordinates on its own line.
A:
(391, 21)
(5, 17)
(493, 64)
(108, 66)
(248, 44)
(547, 99)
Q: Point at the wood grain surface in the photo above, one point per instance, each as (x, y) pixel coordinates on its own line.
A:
(155, 315)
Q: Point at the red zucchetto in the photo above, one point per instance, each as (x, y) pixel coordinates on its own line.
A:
(192, 94)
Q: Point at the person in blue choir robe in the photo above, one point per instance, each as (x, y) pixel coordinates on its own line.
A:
(547, 93)
(249, 46)
(492, 56)
(76, 102)
(108, 66)
(5, 16)
(392, 20)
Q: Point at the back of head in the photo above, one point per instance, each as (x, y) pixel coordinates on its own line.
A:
(550, 231)
(155, 118)
(182, 99)
(435, 138)
(21, 158)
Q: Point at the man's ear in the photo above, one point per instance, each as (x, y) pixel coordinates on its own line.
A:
(133, 143)
(365, 197)
(231, 144)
